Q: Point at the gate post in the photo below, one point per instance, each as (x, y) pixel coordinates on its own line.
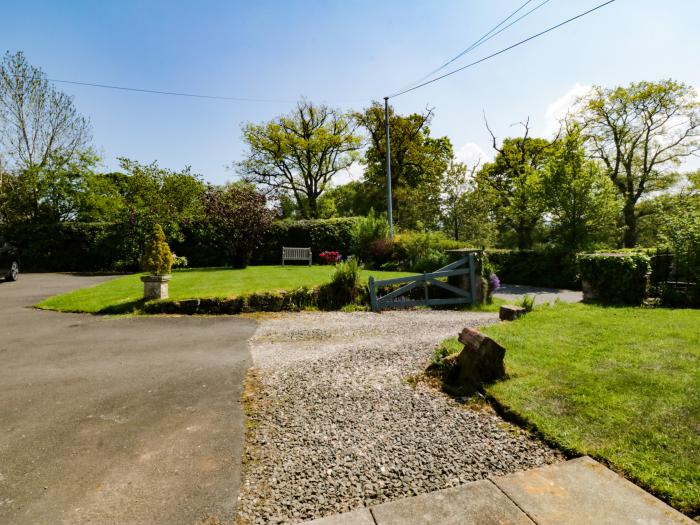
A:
(472, 282)
(373, 294)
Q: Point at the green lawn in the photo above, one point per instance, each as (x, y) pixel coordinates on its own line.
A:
(618, 384)
(199, 283)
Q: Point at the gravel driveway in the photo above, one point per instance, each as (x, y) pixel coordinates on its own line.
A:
(336, 425)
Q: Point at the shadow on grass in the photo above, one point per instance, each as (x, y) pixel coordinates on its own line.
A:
(122, 308)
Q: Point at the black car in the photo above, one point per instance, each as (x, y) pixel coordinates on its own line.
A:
(9, 261)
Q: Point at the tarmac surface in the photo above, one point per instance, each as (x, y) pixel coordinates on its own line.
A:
(117, 419)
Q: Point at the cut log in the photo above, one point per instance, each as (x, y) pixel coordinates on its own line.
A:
(510, 312)
(481, 360)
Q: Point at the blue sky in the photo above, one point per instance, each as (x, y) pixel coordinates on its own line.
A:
(344, 53)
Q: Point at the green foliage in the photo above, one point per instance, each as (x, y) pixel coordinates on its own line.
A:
(445, 349)
(549, 268)
(157, 257)
(640, 134)
(318, 234)
(180, 261)
(423, 251)
(418, 163)
(512, 185)
(70, 246)
(237, 218)
(527, 302)
(365, 231)
(580, 200)
(300, 153)
(680, 233)
(615, 278)
(344, 287)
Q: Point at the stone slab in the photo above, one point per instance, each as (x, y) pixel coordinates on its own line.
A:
(356, 517)
(581, 492)
(479, 502)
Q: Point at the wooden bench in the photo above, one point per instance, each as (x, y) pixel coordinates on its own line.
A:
(296, 254)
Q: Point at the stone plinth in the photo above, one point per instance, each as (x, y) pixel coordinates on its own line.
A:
(155, 286)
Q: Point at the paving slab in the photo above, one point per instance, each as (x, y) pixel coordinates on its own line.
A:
(356, 517)
(581, 492)
(479, 502)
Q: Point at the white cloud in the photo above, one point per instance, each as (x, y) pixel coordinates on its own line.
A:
(353, 173)
(558, 109)
(471, 154)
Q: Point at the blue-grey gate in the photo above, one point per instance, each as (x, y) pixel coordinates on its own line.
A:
(394, 299)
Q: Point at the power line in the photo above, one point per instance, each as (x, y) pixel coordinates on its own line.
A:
(503, 50)
(484, 38)
(172, 93)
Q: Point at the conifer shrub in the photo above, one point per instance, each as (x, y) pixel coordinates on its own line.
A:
(157, 258)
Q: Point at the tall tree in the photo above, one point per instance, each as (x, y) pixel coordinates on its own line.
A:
(418, 163)
(513, 183)
(456, 184)
(41, 132)
(581, 205)
(300, 153)
(640, 133)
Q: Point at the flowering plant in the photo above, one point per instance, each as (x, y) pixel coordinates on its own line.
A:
(179, 261)
(494, 283)
(330, 257)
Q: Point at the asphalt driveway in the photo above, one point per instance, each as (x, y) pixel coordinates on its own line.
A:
(117, 420)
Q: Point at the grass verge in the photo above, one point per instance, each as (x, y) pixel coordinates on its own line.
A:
(618, 384)
(125, 293)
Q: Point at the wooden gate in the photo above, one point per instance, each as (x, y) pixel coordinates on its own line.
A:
(464, 266)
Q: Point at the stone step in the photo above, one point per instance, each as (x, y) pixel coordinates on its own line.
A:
(577, 492)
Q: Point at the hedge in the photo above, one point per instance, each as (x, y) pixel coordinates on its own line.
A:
(89, 247)
(73, 246)
(318, 234)
(546, 268)
(325, 297)
(615, 278)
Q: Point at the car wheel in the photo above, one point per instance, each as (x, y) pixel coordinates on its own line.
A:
(14, 272)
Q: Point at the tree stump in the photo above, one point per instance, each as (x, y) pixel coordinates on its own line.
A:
(481, 360)
(509, 312)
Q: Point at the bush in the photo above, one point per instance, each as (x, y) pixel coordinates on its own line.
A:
(157, 258)
(365, 231)
(548, 268)
(237, 218)
(615, 278)
(344, 287)
(423, 251)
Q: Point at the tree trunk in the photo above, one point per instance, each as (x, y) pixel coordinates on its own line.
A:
(630, 238)
(313, 207)
(524, 237)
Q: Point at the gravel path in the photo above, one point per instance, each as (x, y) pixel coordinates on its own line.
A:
(336, 426)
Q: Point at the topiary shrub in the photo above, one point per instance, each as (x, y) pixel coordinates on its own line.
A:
(157, 258)
(614, 278)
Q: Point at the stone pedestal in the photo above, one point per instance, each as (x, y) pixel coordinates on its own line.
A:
(155, 286)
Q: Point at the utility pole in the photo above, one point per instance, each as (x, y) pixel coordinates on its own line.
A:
(388, 169)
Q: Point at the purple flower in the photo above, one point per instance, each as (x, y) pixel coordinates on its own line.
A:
(494, 282)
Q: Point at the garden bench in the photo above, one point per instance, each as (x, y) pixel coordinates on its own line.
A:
(296, 254)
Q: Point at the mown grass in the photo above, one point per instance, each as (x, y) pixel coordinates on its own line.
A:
(619, 384)
(198, 283)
